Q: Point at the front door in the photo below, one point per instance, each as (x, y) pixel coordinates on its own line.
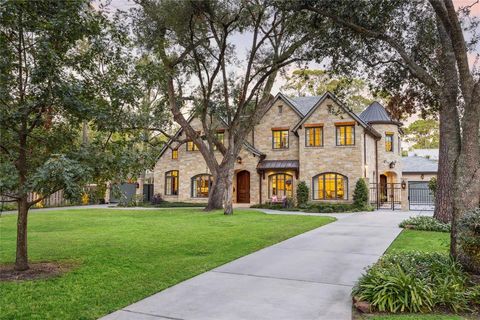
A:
(243, 187)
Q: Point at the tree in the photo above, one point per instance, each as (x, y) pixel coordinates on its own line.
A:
(419, 49)
(360, 194)
(302, 194)
(424, 134)
(192, 43)
(353, 92)
(62, 72)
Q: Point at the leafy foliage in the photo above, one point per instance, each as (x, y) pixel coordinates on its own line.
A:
(416, 282)
(302, 194)
(360, 194)
(468, 229)
(432, 185)
(335, 207)
(352, 91)
(423, 134)
(426, 224)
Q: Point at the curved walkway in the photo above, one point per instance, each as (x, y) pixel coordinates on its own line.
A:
(309, 276)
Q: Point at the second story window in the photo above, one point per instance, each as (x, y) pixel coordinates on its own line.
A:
(175, 154)
(191, 146)
(220, 135)
(345, 134)
(313, 136)
(389, 141)
(280, 138)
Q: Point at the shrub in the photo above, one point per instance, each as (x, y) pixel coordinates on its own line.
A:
(432, 185)
(425, 223)
(335, 207)
(468, 230)
(360, 194)
(415, 282)
(157, 199)
(302, 194)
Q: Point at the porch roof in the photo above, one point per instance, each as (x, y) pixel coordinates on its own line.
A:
(278, 164)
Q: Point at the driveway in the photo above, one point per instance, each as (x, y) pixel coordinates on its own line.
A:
(309, 276)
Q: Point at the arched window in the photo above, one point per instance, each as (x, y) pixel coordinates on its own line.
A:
(171, 183)
(201, 185)
(330, 186)
(280, 184)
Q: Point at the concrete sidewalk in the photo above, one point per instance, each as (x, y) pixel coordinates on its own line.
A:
(309, 276)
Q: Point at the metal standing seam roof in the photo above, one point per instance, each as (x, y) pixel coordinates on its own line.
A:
(278, 164)
(419, 165)
(375, 113)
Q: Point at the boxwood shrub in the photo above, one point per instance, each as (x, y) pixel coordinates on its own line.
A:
(425, 223)
(417, 282)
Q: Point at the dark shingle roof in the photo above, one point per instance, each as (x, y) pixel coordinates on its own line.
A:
(304, 104)
(375, 113)
(278, 164)
(419, 165)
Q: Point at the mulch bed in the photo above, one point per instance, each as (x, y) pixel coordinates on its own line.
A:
(40, 270)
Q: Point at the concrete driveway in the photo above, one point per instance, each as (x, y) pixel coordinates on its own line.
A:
(309, 276)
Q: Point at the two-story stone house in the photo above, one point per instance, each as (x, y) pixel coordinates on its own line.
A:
(312, 139)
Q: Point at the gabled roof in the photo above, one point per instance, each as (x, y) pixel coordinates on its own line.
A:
(419, 165)
(376, 113)
(329, 95)
(248, 146)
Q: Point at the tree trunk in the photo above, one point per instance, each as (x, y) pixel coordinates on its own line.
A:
(215, 197)
(21, 261)
(228, 195)
(449, 148)
(467, 179)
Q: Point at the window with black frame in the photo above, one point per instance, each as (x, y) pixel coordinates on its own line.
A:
(280, 139)
(171, 183)
(201, 185)
(330, 186)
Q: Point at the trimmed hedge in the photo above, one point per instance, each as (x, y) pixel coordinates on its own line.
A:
(425, 223)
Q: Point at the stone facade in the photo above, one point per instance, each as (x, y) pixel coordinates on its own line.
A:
(353, 162)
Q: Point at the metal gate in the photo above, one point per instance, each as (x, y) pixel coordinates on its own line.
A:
(420, 197)
(386, 195)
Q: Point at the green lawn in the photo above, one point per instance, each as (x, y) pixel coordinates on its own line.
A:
(124, 256)
(427, 241)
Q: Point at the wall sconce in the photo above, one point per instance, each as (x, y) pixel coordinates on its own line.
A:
(404, 185)
(239, 160)
(392, 164)
(422, 176)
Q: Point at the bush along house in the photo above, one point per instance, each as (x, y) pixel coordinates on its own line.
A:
(313, 139)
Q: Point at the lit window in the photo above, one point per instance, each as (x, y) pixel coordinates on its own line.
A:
(280, 184)
(280, 139)
(220, 135)
(389, 142)
(314, 137)
(171, 183)
(201, 185)
(191, 146)
(330, 186)
(345, 135)
(175, 154)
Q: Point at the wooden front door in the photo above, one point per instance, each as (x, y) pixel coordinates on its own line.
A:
(243, 187)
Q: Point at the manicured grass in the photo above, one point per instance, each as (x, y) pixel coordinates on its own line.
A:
(124, 256)
(427, 241)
